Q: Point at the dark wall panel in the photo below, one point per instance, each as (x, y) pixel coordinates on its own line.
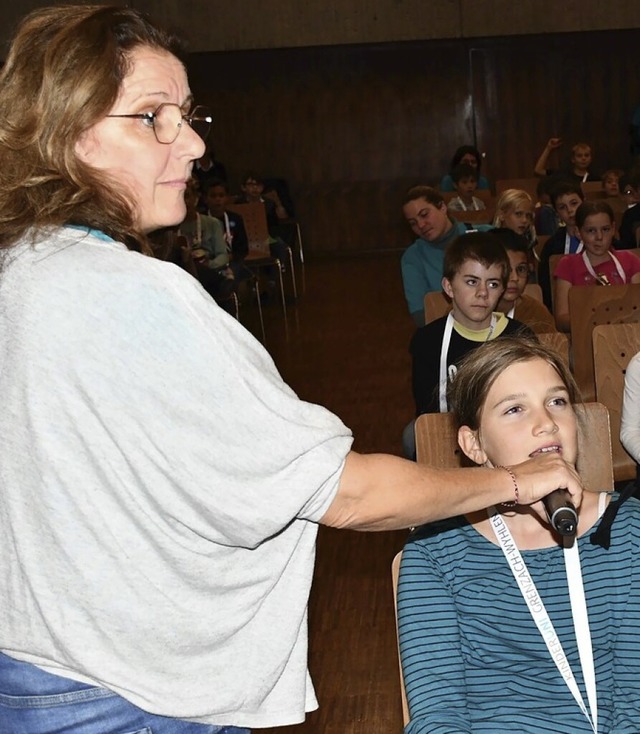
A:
(351, 127)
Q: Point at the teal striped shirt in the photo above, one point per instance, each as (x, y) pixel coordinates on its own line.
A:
(472, 657)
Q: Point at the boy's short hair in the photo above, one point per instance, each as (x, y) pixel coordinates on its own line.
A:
(428, 193)
(483, 247)
(512, 241)
(252, 176)
(464, 170)
(580, 146)
(213, 183)
(562, 188)
(612, 172)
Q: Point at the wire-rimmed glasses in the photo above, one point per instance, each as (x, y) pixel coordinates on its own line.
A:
(167, 119)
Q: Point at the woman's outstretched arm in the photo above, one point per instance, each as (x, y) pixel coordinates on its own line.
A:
(382, 492)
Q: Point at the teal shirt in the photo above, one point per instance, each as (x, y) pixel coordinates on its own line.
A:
(472, 657)
(422, 263)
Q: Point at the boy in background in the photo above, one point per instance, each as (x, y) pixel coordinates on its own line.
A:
(514, 302)
(465, 178)
(252, 189)
(422, 262)
(476, 272)
(578, 169)
(566, 197)
(234, 233)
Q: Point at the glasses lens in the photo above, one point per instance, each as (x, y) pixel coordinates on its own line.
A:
(167, 122)
(200, 120)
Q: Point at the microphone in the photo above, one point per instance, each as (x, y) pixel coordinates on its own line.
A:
(561, 512)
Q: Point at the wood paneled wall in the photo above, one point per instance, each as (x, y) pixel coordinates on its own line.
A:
(352, 127)
(224, 25)
(220, 25)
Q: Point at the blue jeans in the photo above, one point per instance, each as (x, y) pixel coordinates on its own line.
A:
(35, 702)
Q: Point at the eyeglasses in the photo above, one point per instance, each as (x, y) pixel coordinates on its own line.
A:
(167, 119)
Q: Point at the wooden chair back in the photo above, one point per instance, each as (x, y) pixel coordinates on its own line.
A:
(483, 216)
(558, 341)
(526, 184)
(613, 347)
(553, 262)
(592, 190)
(589, 306)
(437, 445)
(533, 290)
(436, 305)
(395, 573)
(254, 215)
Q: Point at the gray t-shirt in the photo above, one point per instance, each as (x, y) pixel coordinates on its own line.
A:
(160, 488)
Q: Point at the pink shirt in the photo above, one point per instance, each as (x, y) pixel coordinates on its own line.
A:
(573, 269)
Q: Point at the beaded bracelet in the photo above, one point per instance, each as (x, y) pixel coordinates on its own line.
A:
(515, 486)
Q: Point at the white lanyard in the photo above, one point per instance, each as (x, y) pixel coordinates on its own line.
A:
(228, 237)
(567, 245)
(543, 621)
(474, 206)
(444, 351)
(598, 278)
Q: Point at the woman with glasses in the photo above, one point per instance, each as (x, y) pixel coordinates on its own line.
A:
(161, 486)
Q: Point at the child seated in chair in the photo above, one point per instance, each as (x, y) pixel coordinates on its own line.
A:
(234, 232)
(505, 625)
(476, 271)
(566, 197)
(426, 213)
(515, 303)
(252, 191)
(598, 264)
(465, 178)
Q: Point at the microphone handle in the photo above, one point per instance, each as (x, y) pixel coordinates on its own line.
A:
(561, 512)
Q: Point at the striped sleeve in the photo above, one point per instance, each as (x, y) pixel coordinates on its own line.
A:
(430, 647)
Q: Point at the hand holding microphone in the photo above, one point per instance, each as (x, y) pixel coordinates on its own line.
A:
(561, 512)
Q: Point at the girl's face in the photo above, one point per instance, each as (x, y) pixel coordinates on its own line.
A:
(527, 412)
(519, 217)
(597, 234)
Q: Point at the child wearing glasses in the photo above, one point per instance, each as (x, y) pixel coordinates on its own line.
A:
(515, 303)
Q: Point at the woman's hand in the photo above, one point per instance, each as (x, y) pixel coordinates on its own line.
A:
(539, 476)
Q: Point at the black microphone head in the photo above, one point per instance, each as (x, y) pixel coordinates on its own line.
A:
(564, 521)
